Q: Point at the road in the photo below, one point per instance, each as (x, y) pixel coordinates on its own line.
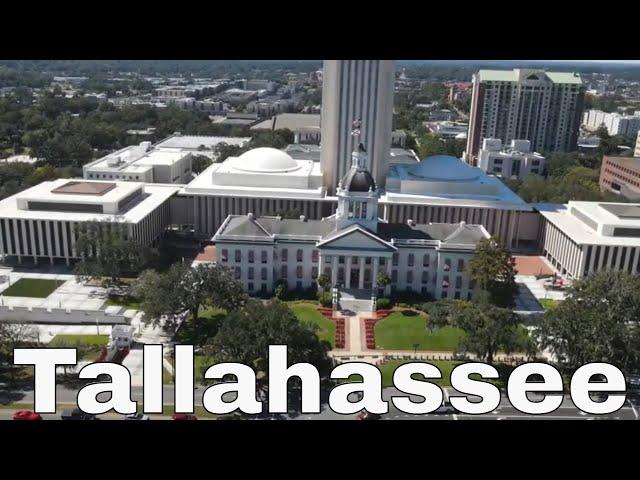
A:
(567, 411)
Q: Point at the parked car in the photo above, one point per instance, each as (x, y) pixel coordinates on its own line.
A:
(137, 416)
(446, 408)
(26, 415)
(77, 414)
(364, 415)
(184, 416)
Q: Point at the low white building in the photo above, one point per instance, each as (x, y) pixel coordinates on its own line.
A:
(582, 238)
(350, 247)
(636, 153)
(141, 163)
(42, 221)
(513, 161)
(199, 144)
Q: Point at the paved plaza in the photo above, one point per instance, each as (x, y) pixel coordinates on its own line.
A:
(70, 295)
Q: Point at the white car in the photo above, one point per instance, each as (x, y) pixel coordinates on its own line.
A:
(446, 408)
(137, 416)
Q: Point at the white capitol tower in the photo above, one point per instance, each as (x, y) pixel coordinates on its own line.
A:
(356, 89)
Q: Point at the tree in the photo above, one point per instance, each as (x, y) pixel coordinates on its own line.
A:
(597, 322)
(12, 336)
(382, 279)
(183, 289)
(245, 336)
(493, 268)
(442, 312)
(324, 281)
(108, 253)
(199, 163)
(488, 329)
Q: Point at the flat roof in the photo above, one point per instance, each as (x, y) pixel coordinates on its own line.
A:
(193, 142)
(155, 195)
(512, 76)
(84, 188)
(560, 216)
(291, 121)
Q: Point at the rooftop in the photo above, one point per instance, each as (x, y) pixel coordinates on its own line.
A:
(291, 121)
(531, 74)
(84, 188)
(195, 142)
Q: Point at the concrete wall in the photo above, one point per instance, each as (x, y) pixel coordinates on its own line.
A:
(58, 315)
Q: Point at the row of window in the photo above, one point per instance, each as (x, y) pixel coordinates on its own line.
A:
(117, 177)
(264, 256)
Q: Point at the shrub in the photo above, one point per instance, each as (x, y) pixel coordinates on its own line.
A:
(326, 299)
(383, 303)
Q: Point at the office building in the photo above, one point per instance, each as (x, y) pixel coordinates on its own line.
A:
(524, 104)
(356, 89)
(515, 161)
(42, 221)
(621, 175)
(615, 123)
(582, 238)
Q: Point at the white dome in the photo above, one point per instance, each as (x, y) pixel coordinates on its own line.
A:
(265, 160)
(444, 168)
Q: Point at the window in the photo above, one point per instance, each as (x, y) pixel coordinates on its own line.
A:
(224, 256)
(444, 294)
(285, 255)
(299, 271)
(250, 286)
(250, 273)
(238, 273)
(238, 254)
(425, 277)
(263, 256)
(410, 260)
(251, 256)
(461, 265)
(457, 296)
(263, 273)
(425, 260)
(341, 260)
(314, 272)
(409, 276)
(299, 255)
(447, 265)
(394, 260)
(458, 282)
(394, 276)
(283, 271)
(314, 256)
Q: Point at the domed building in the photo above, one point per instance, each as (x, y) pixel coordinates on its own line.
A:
(351, 246)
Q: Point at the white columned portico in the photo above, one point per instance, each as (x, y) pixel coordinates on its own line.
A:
(334, 270)
(361, 276)
(374, 274)
(347, 272)
(387, 288)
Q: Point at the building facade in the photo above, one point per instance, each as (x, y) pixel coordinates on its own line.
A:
(353, 89)
(621, 175)
(582, 238)
(515, 161)
(542, 107)
(41, 223)
(616, 124)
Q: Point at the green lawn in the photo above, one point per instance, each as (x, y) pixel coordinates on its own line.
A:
(548, 303)
(401, 332)
(308, 313)
(387, 369)
(89, 345)
(127, 301)
(32, 287)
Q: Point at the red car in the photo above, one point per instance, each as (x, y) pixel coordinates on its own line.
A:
(364, 415)
(183, 416)
(26, 415)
